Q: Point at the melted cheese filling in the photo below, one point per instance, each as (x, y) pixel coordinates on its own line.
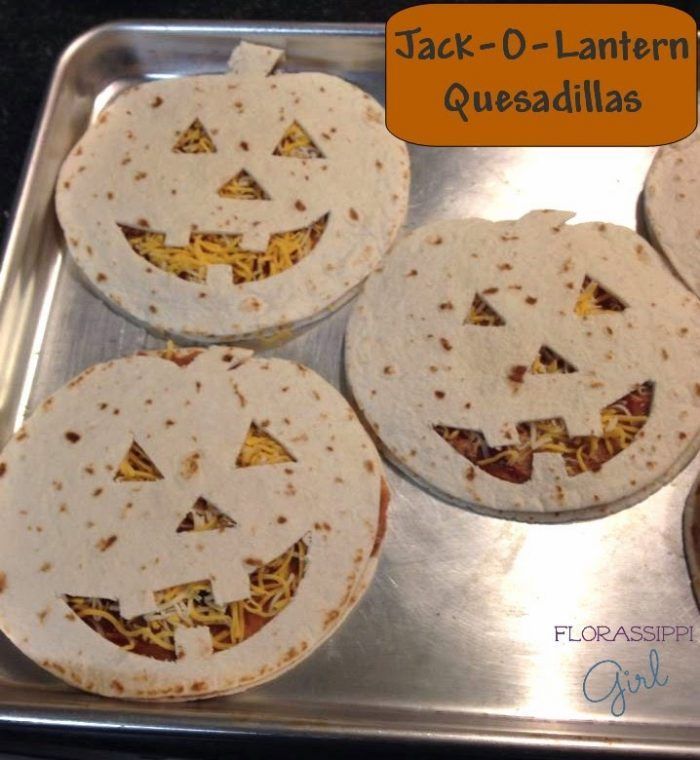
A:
(548, 362)
(244, 188)
(621, 422)
(482, 314)
(137, 465)
(272, 587)
(284, 250)
(195, 139)
(259, 448)
(594, 299)
(296, 143)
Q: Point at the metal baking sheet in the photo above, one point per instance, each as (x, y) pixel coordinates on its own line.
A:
(455, 640)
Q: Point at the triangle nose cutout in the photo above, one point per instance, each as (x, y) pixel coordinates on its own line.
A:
(205, 516)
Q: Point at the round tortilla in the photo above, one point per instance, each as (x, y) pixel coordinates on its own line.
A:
(414, 362)
(124, 173)
(672, 206)
(72, 529)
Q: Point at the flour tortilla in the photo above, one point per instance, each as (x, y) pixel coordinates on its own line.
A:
(124, 171)
(60, 501)
(672, 206)
(412, 363)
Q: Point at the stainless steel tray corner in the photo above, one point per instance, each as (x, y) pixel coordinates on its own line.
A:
(454, 642)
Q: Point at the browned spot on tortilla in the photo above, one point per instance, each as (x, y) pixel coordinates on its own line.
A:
(3, 468)
(254, 561)
(169, 423)
(72, 436)
(241, 397)
(299, 205)
(243, 145)
(3, 582)
(45, 567)
(517, 373)
(384, 499)
(104, 543)
(446, 344)
(412, 273)
(281, 519)
(434, 240)
(490, 291)
(664, 353)
(389, 370)
(139, 176)
(42, 615)
(353, 214)
(682, 436)
(505, 266)
(470, 473)
(190, 465)
(369, 465)
(97, 491)
(199, 686)
(446, 306)
(117, 686)
(531, 300)
(439, 394)
(330, 617)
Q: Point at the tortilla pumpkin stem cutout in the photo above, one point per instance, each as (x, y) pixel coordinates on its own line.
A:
(205, 516)
(284, 250)
(137, 465)
(243, 187)
(296, 143)
(272, 586)
(594, 299)
(482, 314)
(548, 362)
(260, 448)
(195, 139)
(621, 421)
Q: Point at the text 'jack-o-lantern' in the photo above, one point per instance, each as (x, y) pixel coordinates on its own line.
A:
(224, 206)
(531, 368)
(200, 521)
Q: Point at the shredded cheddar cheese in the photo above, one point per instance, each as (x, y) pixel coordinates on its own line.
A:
(137, 465)
(272, 587)
(205, 516)
(594, 299)
(243, 187)
(482, 314)
(296, 143)
(259, 448)
(621, 423)
(549, 362)
(195, 139)
(284, 250)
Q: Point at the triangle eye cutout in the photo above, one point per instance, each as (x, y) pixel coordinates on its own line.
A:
(296, 143)
(548, 362)
(482, 314)
(243, 187)
(594, 298)
(205, 516)
(195, 139)
(137, 466)
(260, 447)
